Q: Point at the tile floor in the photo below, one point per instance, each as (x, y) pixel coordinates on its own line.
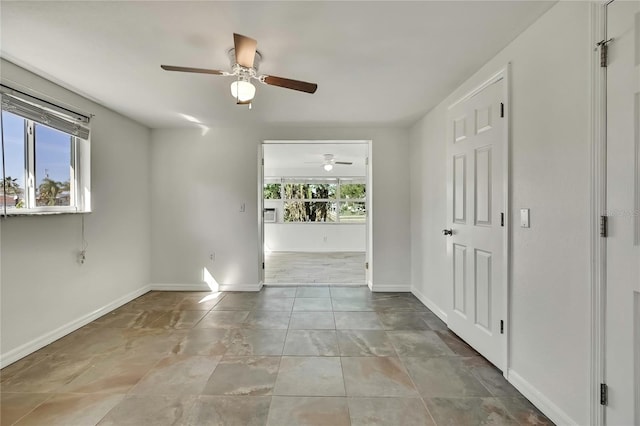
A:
(325, 356)
(312, 268)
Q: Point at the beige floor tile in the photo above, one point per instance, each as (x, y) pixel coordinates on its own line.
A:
(365, 343)
(13, 406)
(467, 411)
(113, 373)
(249, 342)
(223, 319)
(310, 376)
(307, 268)
(377, 376)
(177, 375)
(312, 321)
(21, 365)
(204, 341)
(389, 411)
(229, 411)
(243, 376)
(178, 319)
(49, 375)
(314, 304)
(71, 409)
(181, 361)
(308, 411)
(311, 343)
(150, 410)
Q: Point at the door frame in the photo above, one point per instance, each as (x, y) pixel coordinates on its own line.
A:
(503, 74)
(368, 201)
(598, 189)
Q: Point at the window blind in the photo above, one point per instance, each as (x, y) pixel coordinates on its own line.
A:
(45, 113)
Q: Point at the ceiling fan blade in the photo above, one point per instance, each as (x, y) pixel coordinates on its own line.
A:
(347, 163)
(188, 69)
(245, 50)
(301, 86)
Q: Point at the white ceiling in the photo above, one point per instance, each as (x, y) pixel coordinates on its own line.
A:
(307, 159)
(383, 63)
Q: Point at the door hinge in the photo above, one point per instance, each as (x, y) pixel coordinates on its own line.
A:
(604, 51)
(501, 326)
(366, 161)
(263, 161)
(366, 265)
(501, 110)
(604, 226)
(501, 219)
(604, 394)
(262, 265)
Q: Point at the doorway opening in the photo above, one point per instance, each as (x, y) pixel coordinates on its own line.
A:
(315, 219)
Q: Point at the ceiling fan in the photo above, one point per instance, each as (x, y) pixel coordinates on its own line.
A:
(245, 60)
(329, 161)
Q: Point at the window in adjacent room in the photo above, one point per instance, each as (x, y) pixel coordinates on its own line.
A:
(333, 200)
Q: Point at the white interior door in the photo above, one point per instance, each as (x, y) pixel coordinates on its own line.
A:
(622, 316)
(475, 196)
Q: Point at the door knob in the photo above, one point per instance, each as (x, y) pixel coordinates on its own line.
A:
(447, 231)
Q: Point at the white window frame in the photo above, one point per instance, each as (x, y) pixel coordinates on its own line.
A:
(79, 179)
(338, 181)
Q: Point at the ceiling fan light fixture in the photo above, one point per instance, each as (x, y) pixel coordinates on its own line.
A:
(243, 90)
(328, 167)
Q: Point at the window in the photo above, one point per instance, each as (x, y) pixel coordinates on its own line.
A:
(334, 200)
(272, 191)
(45, 157)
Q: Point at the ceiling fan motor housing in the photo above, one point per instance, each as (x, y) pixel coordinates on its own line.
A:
(237, 69)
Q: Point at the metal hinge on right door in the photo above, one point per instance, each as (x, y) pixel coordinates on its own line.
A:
(604, 394)
(604, 51)
(604, 226)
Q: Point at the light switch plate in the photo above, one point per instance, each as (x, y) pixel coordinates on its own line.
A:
(524, 218)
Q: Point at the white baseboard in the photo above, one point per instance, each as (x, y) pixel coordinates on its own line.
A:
(537, 398)
(240, 287)
(179, 287)
(50, 337)
(316, 250)
(390, 288)
(203, 287)
(430, 304)
(314, 285)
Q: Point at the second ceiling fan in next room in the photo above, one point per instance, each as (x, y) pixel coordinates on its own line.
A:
(245, 60)
(329, 161)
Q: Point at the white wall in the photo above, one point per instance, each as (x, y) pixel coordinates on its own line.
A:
(315, 237)
(45, 292)
(216, 171)
(550, 291)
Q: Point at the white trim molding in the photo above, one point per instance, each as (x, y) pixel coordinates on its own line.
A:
(430, 304)
(597, 272)
(382, 288)
(203, 287)
(537, 398)
(50, 337)
(314, 284)
(179, 287)
(240, 287)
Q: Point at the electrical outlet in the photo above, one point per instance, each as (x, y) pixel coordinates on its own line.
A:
(325, 239)
(82, 257)
(242, 208)
(212, 257)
